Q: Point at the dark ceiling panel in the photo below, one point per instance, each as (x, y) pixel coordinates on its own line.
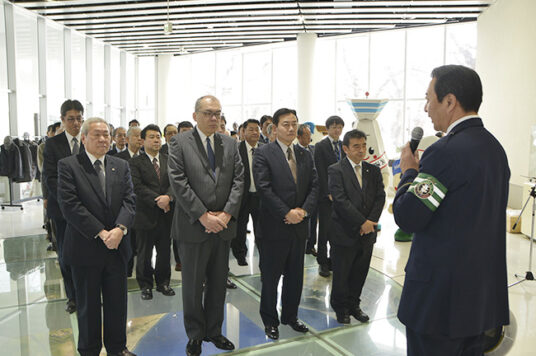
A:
(137, 26)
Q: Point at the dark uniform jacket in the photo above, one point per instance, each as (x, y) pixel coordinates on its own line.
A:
(456, 284)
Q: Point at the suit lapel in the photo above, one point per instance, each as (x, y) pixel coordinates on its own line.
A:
(350, 172)
(163, 167)
(365, 174)
(111, 172)
(91, 175)
(282, 158)
(65, 147)
(200, 149)
(218, 148)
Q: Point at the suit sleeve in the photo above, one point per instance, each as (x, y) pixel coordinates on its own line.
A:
(412, 209)
(341, 204)
(182, 191)
(143, 193)
(128, 205)
(379, 197)
(312, 196)
(322, 170)
(263, 183)
(74, 212)
(233, 203)
(50, 170)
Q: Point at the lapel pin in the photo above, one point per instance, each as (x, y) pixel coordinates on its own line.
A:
(113, 169)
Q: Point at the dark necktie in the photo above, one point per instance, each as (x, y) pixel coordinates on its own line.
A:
(76, 146)
(156, 167)
(100, 173)
(336, 150)
(211, 157)
(292, 164)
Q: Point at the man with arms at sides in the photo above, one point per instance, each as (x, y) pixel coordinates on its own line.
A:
(265, 121)
(207, 178)
(154, 213)
(304, 140)
(286, 181)
(97, 199)
(170, 130)
(120, 139)
(454, 202)
(356, 188)
(250, 198)
(327, 152)
(60, 146)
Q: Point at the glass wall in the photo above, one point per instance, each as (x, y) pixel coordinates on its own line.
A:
(98, 79)
(146, 91)
(78, 67)
(26, 70)
(4, 106)
(55, 72)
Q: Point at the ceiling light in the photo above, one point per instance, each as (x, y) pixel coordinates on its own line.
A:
(168, 26)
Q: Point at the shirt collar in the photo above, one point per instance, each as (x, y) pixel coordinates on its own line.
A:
(152, 157)
(459, 121)
(93, 158)
(132, 153)
(69, 137)
(203, 136)
(354, 164)
(249, 147)
(332, 140)
(285, 147)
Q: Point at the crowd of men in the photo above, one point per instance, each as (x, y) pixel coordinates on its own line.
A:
(108, 202)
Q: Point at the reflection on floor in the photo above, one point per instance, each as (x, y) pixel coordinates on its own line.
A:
(33, 320)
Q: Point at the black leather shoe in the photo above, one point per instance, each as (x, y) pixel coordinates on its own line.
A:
(230, 285)
(272, 332)
(146, 294)
(242, 261)
(297, 326)
(343, 318)
(323, 270)
(311, 251)
(165, 290)
(71, 306)
(193, 348)
(125, 352)
(221, 342)
(359, 315)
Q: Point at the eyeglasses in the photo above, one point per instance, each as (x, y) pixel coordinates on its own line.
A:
(209, 114)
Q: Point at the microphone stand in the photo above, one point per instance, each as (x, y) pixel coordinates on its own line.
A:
(528, 275)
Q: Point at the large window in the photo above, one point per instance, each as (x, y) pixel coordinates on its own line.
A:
(146, 90)
(98, 79)
(130, 86)
(26, 70)
(115, 94)
(55, 70)
(78, 67)
(4, 106)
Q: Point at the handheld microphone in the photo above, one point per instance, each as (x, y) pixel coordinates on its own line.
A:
(416, 136)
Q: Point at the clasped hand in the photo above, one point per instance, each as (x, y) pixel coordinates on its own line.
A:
(295, 216)
(367, 227)
(215, 221)
(111, 238)
(162, 201)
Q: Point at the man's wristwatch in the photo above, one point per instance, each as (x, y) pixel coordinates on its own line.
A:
(123, 228)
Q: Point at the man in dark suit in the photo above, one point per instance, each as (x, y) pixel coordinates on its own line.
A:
(120, 139)
(153, 214)
(206, 176)
(183, 126)
(265, 121)
(170, 130)
(356, 188)
(250, 198)
(285, 178)
(327, 152)
(134, 142)
(60, 146)
(304, 140)
(454, 202)
(96, 197)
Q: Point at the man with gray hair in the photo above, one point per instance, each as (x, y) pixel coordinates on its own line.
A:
(272, 134)
(134, 143)
(97, 200)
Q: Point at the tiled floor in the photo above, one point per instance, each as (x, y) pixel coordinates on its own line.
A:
(33, 320)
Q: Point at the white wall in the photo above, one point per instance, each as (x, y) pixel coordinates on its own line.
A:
(506, 62)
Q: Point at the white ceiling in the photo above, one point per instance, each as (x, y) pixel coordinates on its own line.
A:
(138, 26)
